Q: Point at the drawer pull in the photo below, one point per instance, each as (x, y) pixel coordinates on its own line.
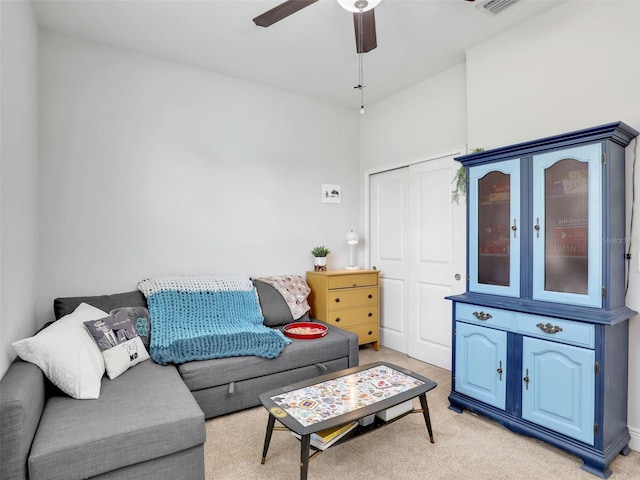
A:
(337, 319)
(337, 300)
(482, 316)
(548, 328)
(370, 314)
(369, 296)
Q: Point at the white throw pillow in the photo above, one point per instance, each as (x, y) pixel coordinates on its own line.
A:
(67, 354)
(122, 357)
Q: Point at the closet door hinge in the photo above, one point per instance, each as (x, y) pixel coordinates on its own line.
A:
(596, 368)
(604, 158)
(595, 429)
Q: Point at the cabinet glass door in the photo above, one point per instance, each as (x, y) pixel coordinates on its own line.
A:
(567, 234)
(494, 228)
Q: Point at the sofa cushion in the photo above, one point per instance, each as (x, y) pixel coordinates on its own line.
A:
(275, 310)
(65, 305)
(299, 353)
(144, 414)
(67, 354)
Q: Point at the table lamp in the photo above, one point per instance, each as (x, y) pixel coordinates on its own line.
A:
(352, 241)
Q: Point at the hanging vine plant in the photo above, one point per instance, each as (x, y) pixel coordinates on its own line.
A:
(461, 181)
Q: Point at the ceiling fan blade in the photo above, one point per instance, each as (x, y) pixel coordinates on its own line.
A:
(365, 26)
(281, 11)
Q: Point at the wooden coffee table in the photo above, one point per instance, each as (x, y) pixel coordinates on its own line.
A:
(341, 397)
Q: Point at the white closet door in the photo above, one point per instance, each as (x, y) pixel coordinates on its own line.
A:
(417, 241)
(388, 227)
(437, 259)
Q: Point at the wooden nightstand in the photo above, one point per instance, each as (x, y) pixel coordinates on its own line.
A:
(349, 299)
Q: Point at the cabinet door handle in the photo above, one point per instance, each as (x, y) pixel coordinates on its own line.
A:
(482, 316)
(536, 227)
(338, 300)
(514, 228)
(499, 370)
(548, 328)
(337, 319)
(526, 379)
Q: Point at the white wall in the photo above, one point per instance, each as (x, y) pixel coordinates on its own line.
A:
(154, 168)
(425, 119)
(573, 67)
(19, 176)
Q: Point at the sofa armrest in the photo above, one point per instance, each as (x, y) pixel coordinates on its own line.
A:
(354, 348)
(22, 399)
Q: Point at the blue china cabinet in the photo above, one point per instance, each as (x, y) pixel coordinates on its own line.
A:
(540, 337)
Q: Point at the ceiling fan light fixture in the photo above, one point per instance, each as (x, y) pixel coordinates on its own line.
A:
(358, 5)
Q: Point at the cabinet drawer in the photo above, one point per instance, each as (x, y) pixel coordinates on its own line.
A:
(354, 316)
(352, 297)
(349, 281)
(493, 317)
(565, 331)
(366, 333)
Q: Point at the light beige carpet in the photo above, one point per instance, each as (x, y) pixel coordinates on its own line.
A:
(467, 446)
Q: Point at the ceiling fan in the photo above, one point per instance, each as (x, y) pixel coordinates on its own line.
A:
(364, 20)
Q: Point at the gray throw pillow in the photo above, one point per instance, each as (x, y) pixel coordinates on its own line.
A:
(275, 310)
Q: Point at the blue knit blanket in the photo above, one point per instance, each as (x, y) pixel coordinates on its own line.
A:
(198, 318)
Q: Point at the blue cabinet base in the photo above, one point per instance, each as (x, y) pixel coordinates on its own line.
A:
(595, 461)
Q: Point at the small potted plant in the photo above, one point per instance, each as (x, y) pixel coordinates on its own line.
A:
(320, 253)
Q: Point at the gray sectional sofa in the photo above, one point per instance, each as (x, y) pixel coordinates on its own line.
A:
(149, 422)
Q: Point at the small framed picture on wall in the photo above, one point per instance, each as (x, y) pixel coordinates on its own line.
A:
(330, 193)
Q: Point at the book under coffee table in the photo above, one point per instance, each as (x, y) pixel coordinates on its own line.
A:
(342, 397)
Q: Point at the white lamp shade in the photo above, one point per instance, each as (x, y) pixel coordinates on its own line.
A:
(351, 5)
(352, 238)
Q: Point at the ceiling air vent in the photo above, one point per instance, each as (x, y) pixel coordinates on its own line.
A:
(493, 7)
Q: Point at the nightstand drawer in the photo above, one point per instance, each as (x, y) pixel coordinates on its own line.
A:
(353, 316)
(487, 316)
(352, 297)
(366, 333)
(350, 281)
(565, 331)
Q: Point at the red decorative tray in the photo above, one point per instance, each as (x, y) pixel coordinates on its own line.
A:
(305, 330)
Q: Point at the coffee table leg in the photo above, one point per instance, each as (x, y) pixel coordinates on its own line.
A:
(267, 438)
(427, 418)
(305, 442)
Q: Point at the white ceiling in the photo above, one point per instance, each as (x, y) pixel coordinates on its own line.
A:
(312, 52)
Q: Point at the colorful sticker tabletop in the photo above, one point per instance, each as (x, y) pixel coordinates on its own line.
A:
(322, 401)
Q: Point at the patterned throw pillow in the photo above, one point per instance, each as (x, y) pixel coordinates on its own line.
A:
(121, 346)
(141, 320)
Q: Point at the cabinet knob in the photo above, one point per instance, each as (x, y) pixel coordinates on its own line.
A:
(514, 228)
(536, 227)
(337, 319)
(500, 370)
(526, 379)
(370, 332)
(370, 314)
(369, 296)
(337, 300)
